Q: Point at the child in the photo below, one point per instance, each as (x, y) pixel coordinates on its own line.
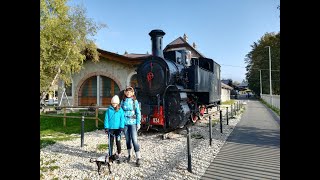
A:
(132, 115)
(114, 124)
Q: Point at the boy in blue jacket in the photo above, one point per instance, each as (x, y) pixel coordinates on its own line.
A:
(114, 124)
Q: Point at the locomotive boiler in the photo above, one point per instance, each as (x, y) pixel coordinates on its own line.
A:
(174, 88)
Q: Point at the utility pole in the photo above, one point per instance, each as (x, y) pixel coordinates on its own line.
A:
(270, 75)
(260, 84)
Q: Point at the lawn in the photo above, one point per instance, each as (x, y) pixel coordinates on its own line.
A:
(229, 102)
(52, 130)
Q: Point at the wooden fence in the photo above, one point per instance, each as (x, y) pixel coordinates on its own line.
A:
(89, 110)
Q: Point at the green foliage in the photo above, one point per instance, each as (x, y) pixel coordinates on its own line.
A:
(64, 41)
(258, 58)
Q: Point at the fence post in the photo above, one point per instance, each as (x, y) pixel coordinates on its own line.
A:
(82, 131)
(227, 117)
(64, 118)
(220, 121)
(189, 149)
(235, 109)
(210, 130)
(97, 112)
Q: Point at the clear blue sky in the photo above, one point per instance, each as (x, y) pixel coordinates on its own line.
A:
(223, 30)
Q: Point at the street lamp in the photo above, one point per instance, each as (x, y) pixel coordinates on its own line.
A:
(270, 75)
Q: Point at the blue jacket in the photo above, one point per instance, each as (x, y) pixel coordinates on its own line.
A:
(129, 112)
(113, 119)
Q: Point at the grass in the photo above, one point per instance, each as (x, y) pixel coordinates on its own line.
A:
(102, 147)
(276, 110)
(214, 122)
(197, 136)
(228, 102)
(52, 130)
(46, 166)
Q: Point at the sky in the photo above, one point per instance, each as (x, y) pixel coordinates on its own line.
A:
(223, 30)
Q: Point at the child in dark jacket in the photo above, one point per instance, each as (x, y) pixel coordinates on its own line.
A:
(114, 124)
(132, 116)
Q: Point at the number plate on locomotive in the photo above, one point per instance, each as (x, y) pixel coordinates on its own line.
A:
(155, 120)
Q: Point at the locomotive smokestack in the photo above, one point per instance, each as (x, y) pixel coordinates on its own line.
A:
(156, 40)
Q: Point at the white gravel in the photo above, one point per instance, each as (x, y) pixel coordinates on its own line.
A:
(161, 159)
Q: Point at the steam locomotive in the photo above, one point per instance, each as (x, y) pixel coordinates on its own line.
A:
(175, 89)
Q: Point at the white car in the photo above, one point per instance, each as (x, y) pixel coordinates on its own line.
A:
(52, 102)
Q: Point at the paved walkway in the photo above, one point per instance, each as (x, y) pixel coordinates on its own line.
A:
(252, 151)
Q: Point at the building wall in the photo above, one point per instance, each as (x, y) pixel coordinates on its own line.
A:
(118, 72)
(225, 94)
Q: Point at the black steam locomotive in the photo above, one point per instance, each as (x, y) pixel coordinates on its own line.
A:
(175, 89)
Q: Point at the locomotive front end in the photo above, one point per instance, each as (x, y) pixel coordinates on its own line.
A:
(156, 73)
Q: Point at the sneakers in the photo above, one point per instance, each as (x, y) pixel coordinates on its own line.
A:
(138, 163)
(117, 159)
(128, 158)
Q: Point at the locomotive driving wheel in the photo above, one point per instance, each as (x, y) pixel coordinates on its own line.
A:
(194, 117)
(202, 111)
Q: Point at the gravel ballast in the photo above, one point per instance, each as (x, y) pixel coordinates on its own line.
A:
(161, 158)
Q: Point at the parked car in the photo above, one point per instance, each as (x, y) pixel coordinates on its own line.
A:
(52, 101)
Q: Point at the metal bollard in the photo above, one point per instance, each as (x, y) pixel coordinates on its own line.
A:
(82, 131)
(189, 149)
(220, 121)
(227, 117)
(235, 109)
(210, 130)
(231, 115)
(237, 106)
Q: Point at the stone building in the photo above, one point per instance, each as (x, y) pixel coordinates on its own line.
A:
(98, 82)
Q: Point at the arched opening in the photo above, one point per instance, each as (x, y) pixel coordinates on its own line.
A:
(134, 81)
(88, 91)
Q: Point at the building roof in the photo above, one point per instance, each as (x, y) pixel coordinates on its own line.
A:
(132, 55)
(136, 59)
(133, 59)
(226, 81)
(180, 42)
(223, 85)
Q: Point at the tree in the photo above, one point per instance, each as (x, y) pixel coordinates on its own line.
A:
(258, 59)
(65, 41)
